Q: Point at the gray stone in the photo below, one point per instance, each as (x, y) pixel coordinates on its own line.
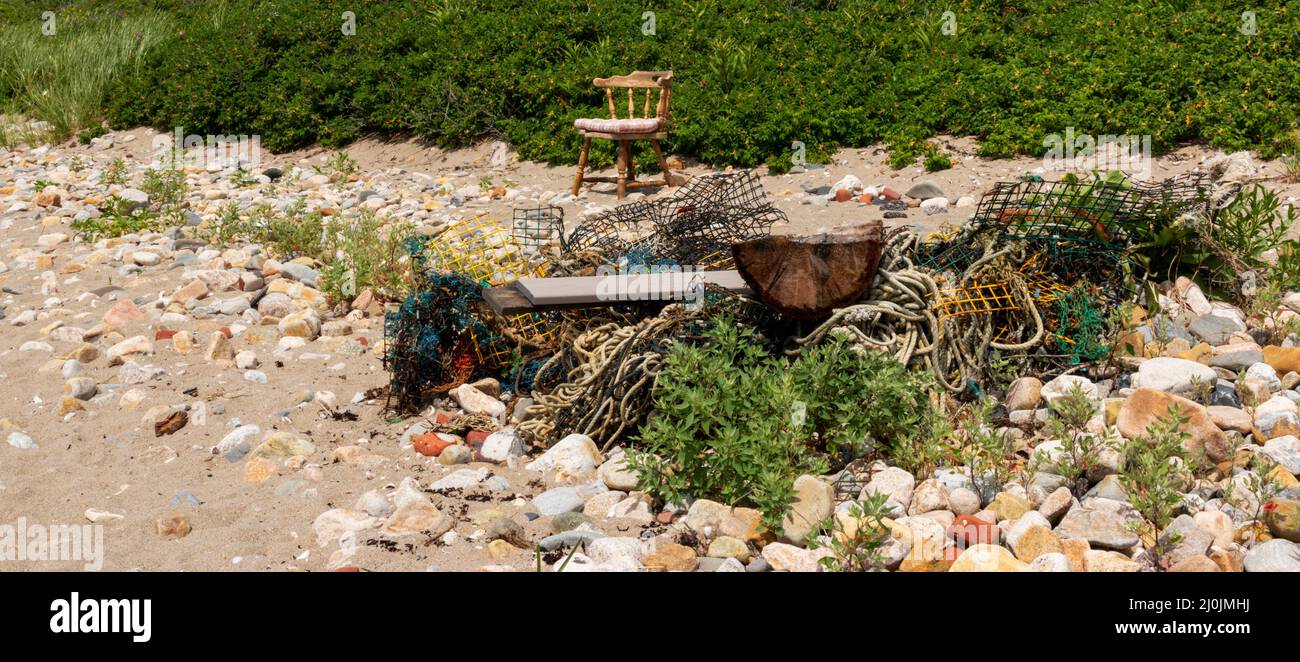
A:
(569, 539)
(1110, 487)
(460, 479)
(1102, 530)
(558, 500)
(925, 191)
(1276, 555)
(1213, 329)
(1285, 451)
(1188, 539)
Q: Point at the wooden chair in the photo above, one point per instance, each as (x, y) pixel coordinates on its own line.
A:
(626, 131)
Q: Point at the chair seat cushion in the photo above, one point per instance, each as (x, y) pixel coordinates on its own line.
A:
(647, 125)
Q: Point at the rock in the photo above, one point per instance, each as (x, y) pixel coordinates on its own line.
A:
(987, 558)
(963, 501)
(814, 503)
(81, 388)
(1024, 394)
(1095, 560)
(1264, 373)
(1230, 418)
(672, 558)
(1051, 562)
(1195, 564)
(504, 528)
(502, 445)
(245, 360)
(1218, 524)
(1146, 404)
(284, 444)
(575, 454)
(474, 401)
(128, 347)
(1173, 375)
(789, 558)
(238, 441)
(934, 206)
(1282, 359)
(742, 523)
(375, 504)
(618, 475)
(1213, 329)
(453, 455)
(302, 324)
(568, 539)
(122, 314)
(173, 526)
(331, 525)
(1275, 555)
(1065, 384)
(617, 550)
(1056, 505)
(968, 530)
(1185, 539)
(1009, 506)
(1109, 487)
(1285, 451)
(1238, 360)
(558, 500)
(1034, 541)
(929, 496)
(417, 519)
(896, 485)
(1101, 529)
(219, 348)
(1283, 518)
(925, 191)
(460, 479)
(726, 547)
(21, 440)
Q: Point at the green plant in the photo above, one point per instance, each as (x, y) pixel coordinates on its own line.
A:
(76, 163)
(931, 448)
(242, 177)
(725, 427)
(859, 400)
(117, 217)
(856, 537)
(62, 79)
(1080, 450)
(365, 252)
(115, 173)
(41, 185)
(1261, 484)
(338, 167)
(986, 451)
(936, 161)
(1254, 223)
(1152, 474)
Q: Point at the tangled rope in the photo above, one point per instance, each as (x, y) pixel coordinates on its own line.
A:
(607, 392)
(897, 315)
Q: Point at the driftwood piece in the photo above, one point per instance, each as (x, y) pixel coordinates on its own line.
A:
(808, 276)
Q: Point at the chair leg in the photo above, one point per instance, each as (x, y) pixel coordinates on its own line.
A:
(663, 163)
(623, 166)
(582, 165)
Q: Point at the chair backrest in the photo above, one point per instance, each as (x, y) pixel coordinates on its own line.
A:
(650, 81)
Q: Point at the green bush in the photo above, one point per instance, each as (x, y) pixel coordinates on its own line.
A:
(735, 424)
(752, 76)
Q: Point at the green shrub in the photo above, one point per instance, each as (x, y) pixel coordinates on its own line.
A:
(752, 76)
(734, 423)
(1152, 468)
(725, 427)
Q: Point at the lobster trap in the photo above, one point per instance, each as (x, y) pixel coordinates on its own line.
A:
(482, 250)
(536, 227)
(695, 226)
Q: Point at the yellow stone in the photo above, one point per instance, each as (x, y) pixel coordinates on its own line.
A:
(70, 404)
(258, 469)
(500, 549)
